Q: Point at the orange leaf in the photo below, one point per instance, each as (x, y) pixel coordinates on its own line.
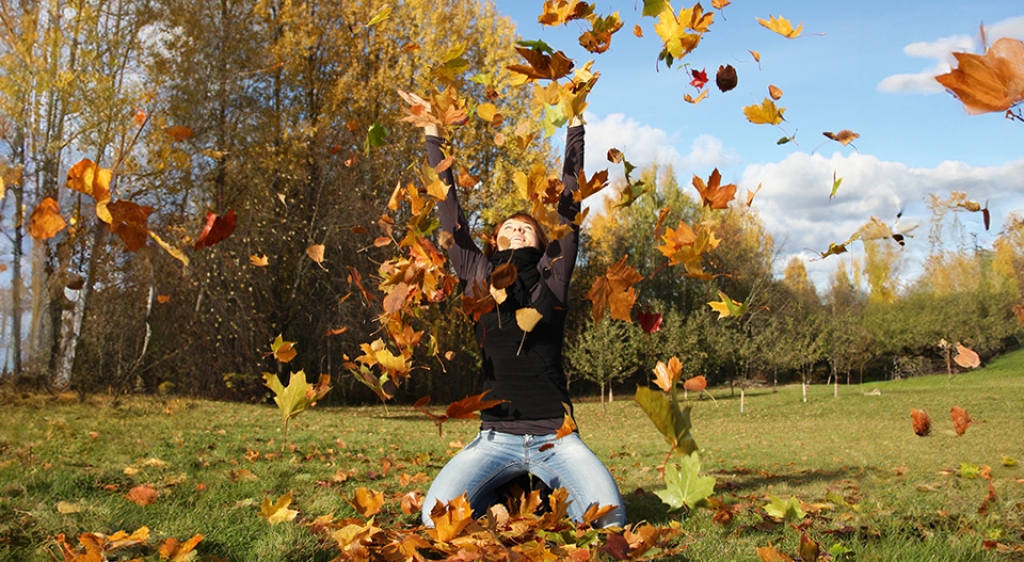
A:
(412, 502)
(774, 91)
(922, 423)
(367, 502)
(163, 299)
(176, 551)
(259, 261)
(614, 291)
(696, 384)
(713, 194)
(638, 31)
(961, 419)
(142, 495)
(771, 554)
(46, 221)
(284, 351)
(843, 137)
(316, 253)
(336, 331)
(541, 65)
(966, 357)
(990, 82)
(666, 376)
(449, 520)
(178, 133)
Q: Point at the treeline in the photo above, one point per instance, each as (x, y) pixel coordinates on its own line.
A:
(285, 114)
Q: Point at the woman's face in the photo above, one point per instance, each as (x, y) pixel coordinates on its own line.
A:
(515, 233)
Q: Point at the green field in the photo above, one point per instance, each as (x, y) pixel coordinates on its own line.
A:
(867, 482)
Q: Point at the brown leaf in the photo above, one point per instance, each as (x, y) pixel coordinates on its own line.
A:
(922, 423)
(449, 520)
(541, 65)
(961, 419)
(129, 221)
(614, 291)
(713, 194)
(843, 137)
(726, 78)
(216, 229)
(178, 133)
(142, 495)
(174, 550)
(775, 92)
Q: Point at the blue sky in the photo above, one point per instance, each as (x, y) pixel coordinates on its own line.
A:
(870, 70)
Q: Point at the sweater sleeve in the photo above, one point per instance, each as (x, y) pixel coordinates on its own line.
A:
(467, 259)
(561, 253)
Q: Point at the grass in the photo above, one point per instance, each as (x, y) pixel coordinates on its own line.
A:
(869, 483)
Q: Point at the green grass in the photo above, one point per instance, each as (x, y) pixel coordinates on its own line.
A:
(904, 496)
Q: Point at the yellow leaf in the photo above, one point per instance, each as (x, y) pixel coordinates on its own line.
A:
(756, 55)
(843, 137)
(781, 26)
(764, 114)
(175, 253)
(259, 261)
(67, 508)
(46, 221)
(284, 351)
(278, 512)
(367, 502)
(698, 99)
(486, 111)
(527, 318)
(666, 376)
(316, 253)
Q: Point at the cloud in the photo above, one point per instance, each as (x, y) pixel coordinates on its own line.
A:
(795, 207)
(1010, 27)
(644, 144)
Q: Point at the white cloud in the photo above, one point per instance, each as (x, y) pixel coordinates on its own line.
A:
(795, 207)
(941, 51)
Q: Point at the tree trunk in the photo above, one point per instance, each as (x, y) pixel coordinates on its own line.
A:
(611, 394)
(743, 399)
(16, 279)
(71, 321)
(602, 397)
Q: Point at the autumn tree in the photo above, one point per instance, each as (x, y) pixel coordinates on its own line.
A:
(605, 354)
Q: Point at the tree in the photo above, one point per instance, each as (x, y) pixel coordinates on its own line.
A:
(605, 353)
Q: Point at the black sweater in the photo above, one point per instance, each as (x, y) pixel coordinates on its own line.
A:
(533, 381)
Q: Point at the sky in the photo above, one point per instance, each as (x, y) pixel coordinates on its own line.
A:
(866, 66)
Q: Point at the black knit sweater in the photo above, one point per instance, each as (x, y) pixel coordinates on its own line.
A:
(531, 379)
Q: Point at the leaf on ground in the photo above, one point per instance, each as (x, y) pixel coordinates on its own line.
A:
(922, 423)
(142, 494)
(961, 419)
(784, 509)
(367, 502)
(277, 511)
(450, 519)
(174, 550)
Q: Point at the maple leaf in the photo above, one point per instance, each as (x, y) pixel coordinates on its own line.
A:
(599, 37)
(283, 351)
(540, 65)
(728, 307)
(684, 486)
(614, 291)
(129, 221)
(142, 495)
(966, 357)
(259, 261)
(700, 78)
(297, 396)
(990, 82)
(719, 4)
(961, 419)
(784, 509)
(88, 178)
(726, 78)
(922, 423)
(450, 519)
(843, 137)
(46, 221)
(596, 183)
(367, 502)
(673, 423)
(277, 511)
(771, 554)
(452, 64)
(667, 375)
(561, 12)
(177, 551)
(216, 229)
(675, 30)
(781, 26)
(465, 408)
(764, 114)
(713, 194)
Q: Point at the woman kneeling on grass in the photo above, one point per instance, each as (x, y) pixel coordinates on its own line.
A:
(519, 436)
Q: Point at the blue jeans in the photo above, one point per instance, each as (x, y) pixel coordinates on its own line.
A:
(494, 458)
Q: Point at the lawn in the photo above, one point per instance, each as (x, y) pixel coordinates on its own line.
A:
(869, 487)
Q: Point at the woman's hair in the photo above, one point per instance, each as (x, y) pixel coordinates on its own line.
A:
(491, 244)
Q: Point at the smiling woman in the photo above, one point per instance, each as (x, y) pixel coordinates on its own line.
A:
(524, 281)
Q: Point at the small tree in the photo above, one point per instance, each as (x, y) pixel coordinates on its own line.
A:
(605, 353)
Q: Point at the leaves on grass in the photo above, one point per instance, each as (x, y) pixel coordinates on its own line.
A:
(961, 419)
(922, 423)
(277, 511)
(143, 495)
(450, 519)
(789, 509)
(367, 502)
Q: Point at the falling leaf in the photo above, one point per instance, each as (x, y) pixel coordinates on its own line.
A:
(88, 178)
(726, 78)
(139, 119)
(561, 12)
(700, 78)
(381, 15)
(673, 423)
(172, 251)
(781, 26)
(728, 307)
(367, 502)
(966, 357)
(283, 351)
(843, 137)
(922, 423)
(751, 194)
(614, 291)
(376, 137)
(650, 322)
(696, 384)
(719, 4)
(142, 495)
(216, 229)
(638, 31)
(542, 66)
(599, 37)
(586, 187)
(992, 82)
(836, 182)
(163, 299)
(277, 512)
(460, 409)
(130, 222)
(316, 253)
(336, 331)
(764, 114)
(713, 194)
(667, 375)
(695, 100)
(961, 419)
(259, 261)
(684, 485)
(756, 55)
(178, 133)
(45, 221)
(774, 91)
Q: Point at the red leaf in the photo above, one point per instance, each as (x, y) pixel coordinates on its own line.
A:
(216, 229)
(700, 78)
(649, 321)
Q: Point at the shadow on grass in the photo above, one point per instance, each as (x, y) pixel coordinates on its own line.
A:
(740, 479)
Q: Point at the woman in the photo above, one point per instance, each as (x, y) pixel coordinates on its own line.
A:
(518, 436)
